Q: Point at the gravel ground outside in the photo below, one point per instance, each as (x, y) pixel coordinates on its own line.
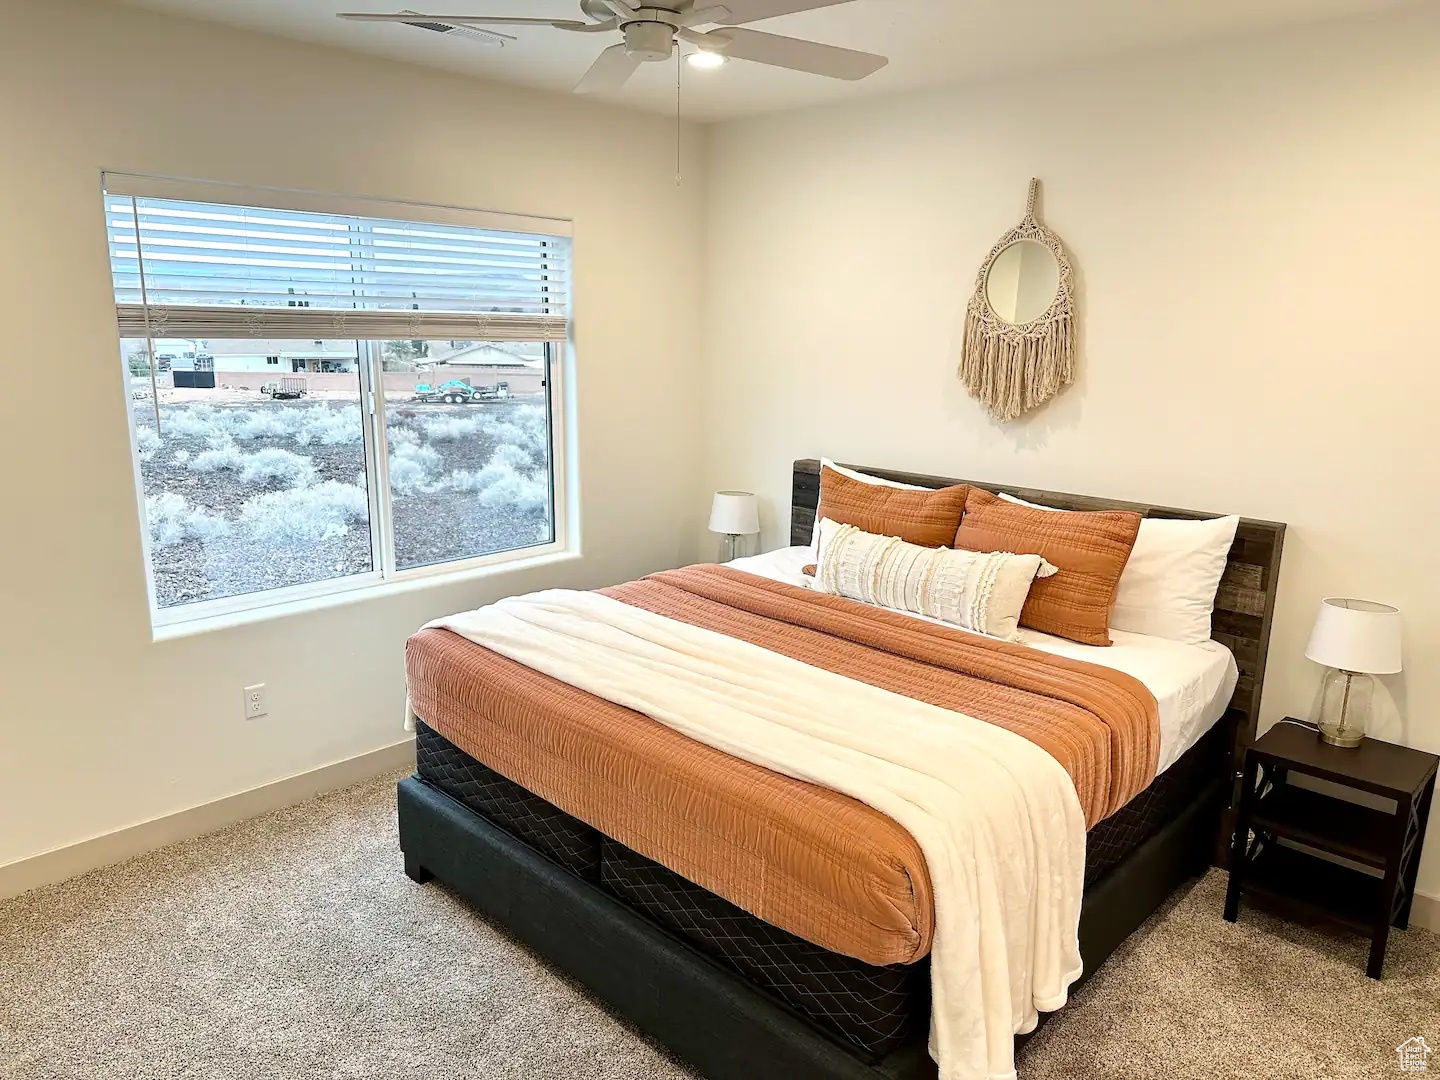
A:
(254, 495)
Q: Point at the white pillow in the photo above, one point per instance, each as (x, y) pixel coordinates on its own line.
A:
(1168, 587)
(864, 478)
(975, 590)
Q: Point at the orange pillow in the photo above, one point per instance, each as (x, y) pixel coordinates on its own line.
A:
(1090, 548)
(927, 518)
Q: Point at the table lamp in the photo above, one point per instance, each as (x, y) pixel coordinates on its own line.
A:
(1355, 639)
(734, 514)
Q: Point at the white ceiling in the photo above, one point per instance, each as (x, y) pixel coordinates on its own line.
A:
(929, 42)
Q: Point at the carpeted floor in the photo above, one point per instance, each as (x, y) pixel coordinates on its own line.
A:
(292, 946)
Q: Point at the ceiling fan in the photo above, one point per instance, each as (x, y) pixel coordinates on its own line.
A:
(651, 34)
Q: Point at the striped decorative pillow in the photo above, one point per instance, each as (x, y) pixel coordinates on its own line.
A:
(980, 591)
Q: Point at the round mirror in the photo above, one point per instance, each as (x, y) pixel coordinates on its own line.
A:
(1022, 282)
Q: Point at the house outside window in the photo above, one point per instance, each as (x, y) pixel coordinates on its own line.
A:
(370, 457)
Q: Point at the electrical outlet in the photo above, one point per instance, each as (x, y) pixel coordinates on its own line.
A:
(257, 703)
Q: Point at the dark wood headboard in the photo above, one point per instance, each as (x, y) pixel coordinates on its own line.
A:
(1244, 606)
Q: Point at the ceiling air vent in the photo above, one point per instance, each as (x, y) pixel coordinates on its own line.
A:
(470, 33)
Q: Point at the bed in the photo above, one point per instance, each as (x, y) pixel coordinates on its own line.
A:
(834, 987)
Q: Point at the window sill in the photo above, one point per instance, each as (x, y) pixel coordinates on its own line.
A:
(342, 596)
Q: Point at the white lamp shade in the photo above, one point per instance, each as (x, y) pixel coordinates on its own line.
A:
(736, 512)
(1356, 635)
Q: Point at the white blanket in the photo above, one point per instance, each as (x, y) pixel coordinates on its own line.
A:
(997, 817)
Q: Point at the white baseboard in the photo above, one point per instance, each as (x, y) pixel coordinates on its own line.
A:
(113, 847)
(1425, 911)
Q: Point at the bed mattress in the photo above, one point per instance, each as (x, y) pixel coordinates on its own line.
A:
(872, 1007)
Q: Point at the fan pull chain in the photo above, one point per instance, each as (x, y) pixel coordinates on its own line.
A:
(679, 179)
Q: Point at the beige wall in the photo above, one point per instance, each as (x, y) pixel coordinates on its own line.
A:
(1253, 228)
(99, 728)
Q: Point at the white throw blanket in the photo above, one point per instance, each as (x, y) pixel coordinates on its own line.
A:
(997, 817)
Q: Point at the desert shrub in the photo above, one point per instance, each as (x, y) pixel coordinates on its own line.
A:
(171, 519)
(272, 423)
(165, 514)
(181, 457)
(525, 431)
(147, 442)
(224, 458)
(533, 420)
(506, 433)
(281, 466)
(327, 426)
(197, 422)
(452, 428)
(407, 476)
(515, 490)
(514, 456)
(467, 480)
(427, 457)
(321, 512)
(412, 467)
(305, 424)
(534, 433)
(401, 436)
(500, 484)
(204, 526)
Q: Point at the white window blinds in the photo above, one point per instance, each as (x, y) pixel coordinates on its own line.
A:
(197, 269)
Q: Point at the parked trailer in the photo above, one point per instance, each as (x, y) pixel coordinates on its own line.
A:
(285, 389)
(499, 392)
(460, 392)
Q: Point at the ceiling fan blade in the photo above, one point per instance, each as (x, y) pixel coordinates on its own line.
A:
(611, 70)
(747, 11)
(463, 20)
(793, 53)
(589, 28)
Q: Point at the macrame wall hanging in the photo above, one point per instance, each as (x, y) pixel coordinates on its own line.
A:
(1019, 349)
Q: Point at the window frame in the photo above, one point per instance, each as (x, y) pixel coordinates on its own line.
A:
(385, 575)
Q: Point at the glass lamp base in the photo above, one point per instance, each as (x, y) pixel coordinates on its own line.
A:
(1345, 698)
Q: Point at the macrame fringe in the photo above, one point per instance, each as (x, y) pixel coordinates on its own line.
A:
(1010, 376)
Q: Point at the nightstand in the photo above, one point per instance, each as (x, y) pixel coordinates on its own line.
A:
(1381, 849)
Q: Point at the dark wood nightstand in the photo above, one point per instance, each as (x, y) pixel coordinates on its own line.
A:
(1375, 891)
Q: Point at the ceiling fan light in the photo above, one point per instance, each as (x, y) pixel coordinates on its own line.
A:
(705, 59)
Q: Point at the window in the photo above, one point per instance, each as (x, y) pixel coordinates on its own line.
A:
(386, 451)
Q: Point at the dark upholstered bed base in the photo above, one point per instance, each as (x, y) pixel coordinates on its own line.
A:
(875, 1009)
(720, 1022)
